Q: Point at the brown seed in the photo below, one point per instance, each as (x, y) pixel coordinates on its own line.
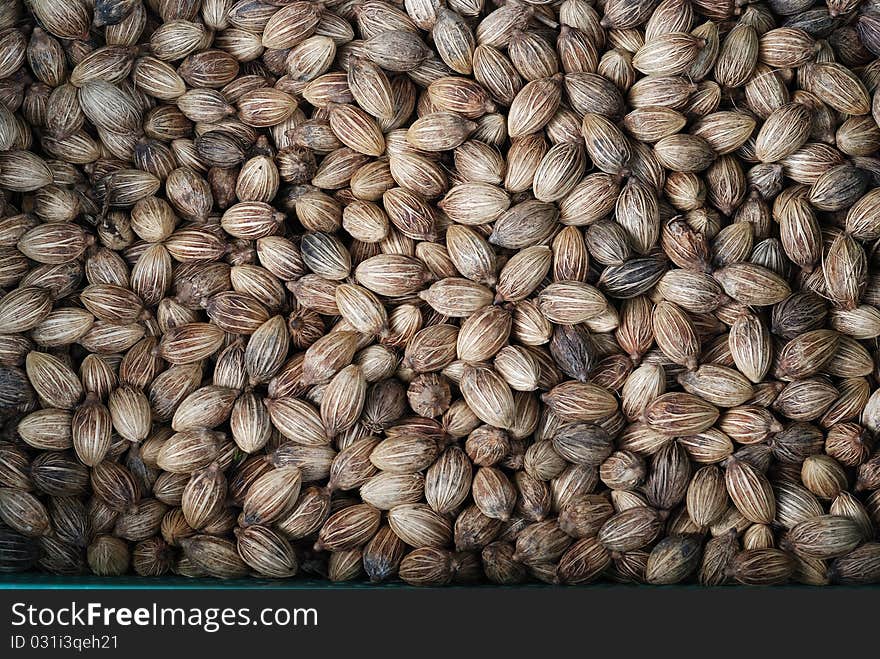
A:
(572, 302)
(534, 105)
(215, 556)
(115, 485)
(707, 496)
(440, 131)
(53, 243)
(524, 225)
(448, 481)
(670, 53)
(266, 551)
(493, 493)
(583, 518)
(419, 526)
(845, 268)
(272, 495)
(678, 414)
(684, 153)
(762, 567)
(675, 334)
(324, 357)
(651, 124)
(405, 454)
(859, 566)
(427, 566)
(783, 133)
(752, 284)
(297, 420)
(750, 347)
(606, 144)
(203, 496)
(190, 343)
(576, 401)
(823, 476)
(23, 512)
(488, 396)
(396, 50)
(673, 559)
(630, 529)
(750, 492)
(188, 451)
(837, 86)
(349, 528)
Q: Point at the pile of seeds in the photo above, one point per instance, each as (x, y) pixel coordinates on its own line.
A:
(444, 291)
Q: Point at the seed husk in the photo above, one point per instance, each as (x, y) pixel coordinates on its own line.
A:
(673, 559)
(858, 566)
(630, 529)
(750, 491)
(762, 567)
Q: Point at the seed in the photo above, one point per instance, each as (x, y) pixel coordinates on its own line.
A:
(440, 131)
(266, 551)
(762, 567)
(405, 454)
(725, 131)
(584, 517)
(651, 124)
(188, 451)
(583, 562)
(576, 401)
(108, 556)
(858, 566)
(823, 537)
(23, 512)
(115, 485)
(823, 476)
(673, 559)
(524, 225)
(808, 353)
(783, 133)
(837, 86)
(272, 495)
(632, 278)
(678, 413)
(750, 491)
(717, 558)
(53, 243)
(493, 493)
(542, 542)
(844, 268)
(630, 530)
(684, 153)
(190, 343)
(214, 556)
(488, 396)
(427, 566)
(738, 56)
(570, 303)
(675, 335)
(350, 527)
(670, 53)
(203, 496)
(752, 284)
(606, 145)
(382, 555)
(419, 526)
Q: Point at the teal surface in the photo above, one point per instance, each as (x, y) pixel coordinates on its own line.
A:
(38, 581)
(41, 581)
